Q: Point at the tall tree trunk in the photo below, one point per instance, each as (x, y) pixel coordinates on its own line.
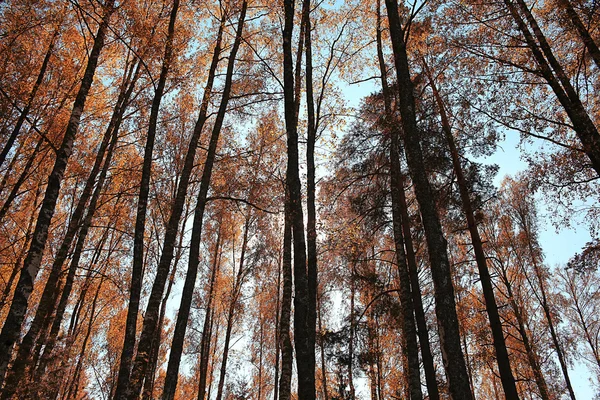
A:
(87, 222)
(285, 383)
(25, 111)
(149, 327)
(194, 258)
(351, 338)
(17, 267)
(42, 319)
(149, 380)
(140, 221)
(557, 79)
(454, 363)
(311, 212)
(14, 320)
(302, 337)
(410, 291)
(502, 358)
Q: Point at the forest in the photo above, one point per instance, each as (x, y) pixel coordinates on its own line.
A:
(299, 200)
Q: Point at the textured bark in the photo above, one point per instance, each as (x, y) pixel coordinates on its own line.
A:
(140, 221)
(582, 30)
(302, 336)
(311, 212)
(409, 331)
(323, 364)
(87, 222)
(285, 382)
(43, 318)
(149, 327)
(25, 111)
(149, 380)
(31, 266)
(506, 376)
(555, 76)
(454, 363)
(194, 258)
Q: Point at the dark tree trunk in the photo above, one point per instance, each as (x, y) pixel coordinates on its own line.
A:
(31, 266)
(25, 111)
(149, 380)
(285, 383)
(194, 258)
(502, 358)
(311, 212)
(149, 327)
(302, 336)
(557, 79)
(454, 363)
(42, 319)
(87, 222)
(140, 221)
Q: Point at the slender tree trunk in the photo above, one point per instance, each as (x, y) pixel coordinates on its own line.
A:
(17, 266)
(140, 221)
(532, 356)
(403, 238)
(87, 222)
(149, 327)
(502, 358)
(31, 266)
(207, 328)
(454, 363)
(557, 79)
(323, 363)
(277, 338)
(302, 336)
(311, 212)
(25, 111)
(351, 338)
(73, 388)
(43, 319)
(285, 383)
(194, 259)
(149, 380)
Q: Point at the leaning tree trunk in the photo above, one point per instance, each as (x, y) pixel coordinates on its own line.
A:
(194, 258)
(454, 363)
(502, 358)
(14, 320)
(149, 327)
(555, 76)
(140, 221)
